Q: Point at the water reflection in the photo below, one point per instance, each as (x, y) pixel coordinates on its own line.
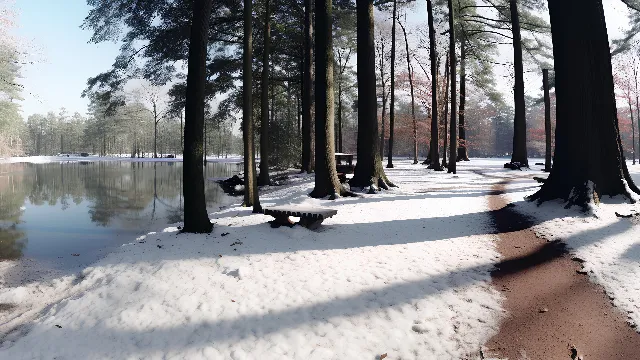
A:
(64, 208)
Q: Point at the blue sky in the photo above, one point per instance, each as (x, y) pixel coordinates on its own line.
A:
(64, 59)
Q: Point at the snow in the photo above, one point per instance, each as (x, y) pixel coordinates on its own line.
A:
(608, 245)
(403, 273)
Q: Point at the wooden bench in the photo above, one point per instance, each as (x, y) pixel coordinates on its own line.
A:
(310, 217)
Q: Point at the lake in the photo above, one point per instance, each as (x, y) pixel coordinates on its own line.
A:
(62, 216)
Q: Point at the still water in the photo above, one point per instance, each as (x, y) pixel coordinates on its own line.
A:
(65, 215)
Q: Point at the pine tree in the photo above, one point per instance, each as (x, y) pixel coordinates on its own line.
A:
(369, 172)
(586, 109)
(196, 219)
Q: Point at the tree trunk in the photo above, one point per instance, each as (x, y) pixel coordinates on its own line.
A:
(181, 135)
(462, 141)
(155, 131)
(393, 87)
(62, 143)
(250, 181)
(588, 162)
(340, 114)
(519, 154)
(196, 219)
(446, 112)
(384, 99)
(307, 81)
(204, 155)
(369, 171)
(633, 130)
(326, 179)
(413, 103)
(453, 143)
(547, 120)
(635, 75)
(264, 105)
(434, 157)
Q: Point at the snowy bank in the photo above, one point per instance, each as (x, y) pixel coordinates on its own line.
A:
(403, 273)
(607, 245)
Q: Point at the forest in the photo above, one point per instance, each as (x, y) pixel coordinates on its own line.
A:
(491, 210)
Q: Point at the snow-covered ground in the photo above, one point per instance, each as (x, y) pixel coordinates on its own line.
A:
(403, 273)
(57, 159)
(609, 245)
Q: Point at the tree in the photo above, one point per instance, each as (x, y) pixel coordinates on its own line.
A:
(382, 42)
(307, 81)
(462, 141)
(434, 157)
(264, 104)
(519, 154)
(635, 76)
(453, 146)
(326, 179)
(10, 119)
(393, 85)
(344, 46)
(586, 110)
(547, 120)
(514, 17)
(413, 103)
(250, 183)
(196, 219)
(369, 171)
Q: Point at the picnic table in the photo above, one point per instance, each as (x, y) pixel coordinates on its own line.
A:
(344, 164)
(310, 217)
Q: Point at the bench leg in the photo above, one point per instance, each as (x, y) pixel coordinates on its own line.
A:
(310, 223)
(281, 220)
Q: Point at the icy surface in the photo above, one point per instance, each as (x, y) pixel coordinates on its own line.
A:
(403, 273)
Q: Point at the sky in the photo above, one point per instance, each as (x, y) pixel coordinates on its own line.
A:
(64, 60)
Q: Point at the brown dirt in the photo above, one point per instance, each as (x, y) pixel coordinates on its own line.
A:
(550, 305)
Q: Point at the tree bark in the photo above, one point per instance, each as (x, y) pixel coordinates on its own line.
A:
(453, 143)
(326, 179)
(446, 112)
(250, 183)
(588, 161)
(633, 130)
(434, 157)
(340, 114)
(155, 131)
(196, 219)
(635, 75)
(547, 120)
(413, 103)
(369, 171)
(263, 179)
(384, 98)
(393, 87)
(519, 154)
(307, 81)
(462, 141)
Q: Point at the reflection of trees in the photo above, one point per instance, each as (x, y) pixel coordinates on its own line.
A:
(113, 189)
(12, 242)
(12, 195)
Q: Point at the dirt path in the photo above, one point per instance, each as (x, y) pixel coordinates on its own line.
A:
(551, 306)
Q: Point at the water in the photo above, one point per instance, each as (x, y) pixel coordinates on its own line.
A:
(66, 215)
